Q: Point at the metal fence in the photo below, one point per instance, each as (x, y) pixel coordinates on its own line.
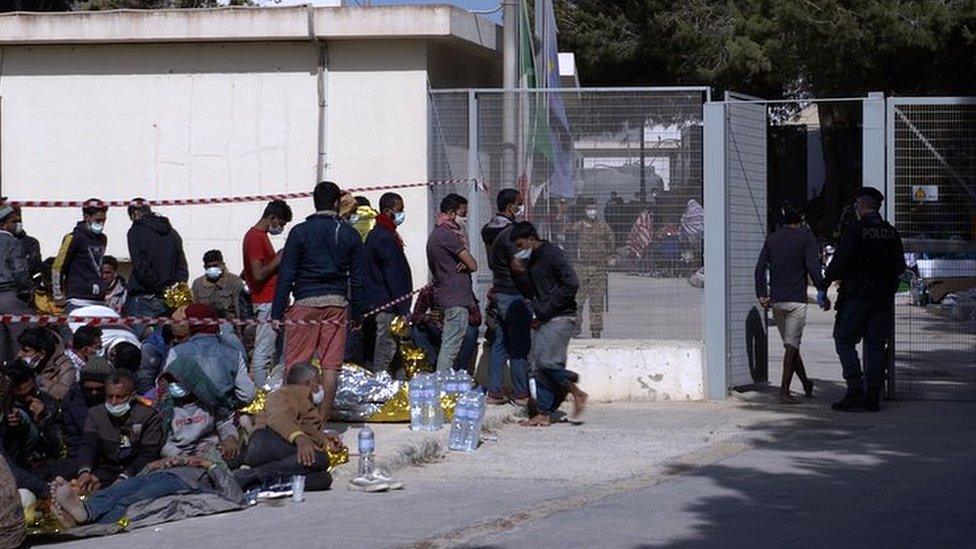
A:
(634, 156)
(932, 176)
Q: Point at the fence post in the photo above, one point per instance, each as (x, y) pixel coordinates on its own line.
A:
(716, 300)
(873, 143)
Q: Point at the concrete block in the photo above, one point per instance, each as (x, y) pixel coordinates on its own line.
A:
(612, 370)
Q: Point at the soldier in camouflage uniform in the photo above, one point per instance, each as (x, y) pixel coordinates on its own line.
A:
(595, 254)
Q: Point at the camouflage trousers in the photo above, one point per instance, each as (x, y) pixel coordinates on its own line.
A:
(592, 293)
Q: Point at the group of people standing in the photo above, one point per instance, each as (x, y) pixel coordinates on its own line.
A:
(867, 264)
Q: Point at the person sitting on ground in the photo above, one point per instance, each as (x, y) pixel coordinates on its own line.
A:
(552, 296)
(31, 431)
(169, 476)
(289, 439)
(115, 290)
(221, 357)
(43, 351)
(120, 438)
(197, 419)
(113, 331)
(426, 328)
(154, 351)
(87, 393)
(43, 300)
(11, 515)
(125, 356)
(218, 287)
(85, 343)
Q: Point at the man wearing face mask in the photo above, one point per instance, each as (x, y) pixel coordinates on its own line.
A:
(386, 276)
(44, 352)
(120, 437)
(451, 265)
(261, 274)
(31, 248)
(289, 439)
(595, 255)
(87, 393)
(13, 282)
(868, 262)
(217, 287)
(76, 275)
(509, 308)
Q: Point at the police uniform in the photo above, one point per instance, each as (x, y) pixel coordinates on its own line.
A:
(868, 263)
(596, 248)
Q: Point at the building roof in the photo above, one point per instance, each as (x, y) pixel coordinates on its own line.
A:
(250, 24)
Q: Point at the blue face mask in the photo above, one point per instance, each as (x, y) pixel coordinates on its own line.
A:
(399, 218)
(177, 391)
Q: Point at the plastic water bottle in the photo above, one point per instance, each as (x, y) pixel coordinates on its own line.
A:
(475, 412)
(434, 416)
(367, 444)
(416, 395)
(464, 382)
(460, 424)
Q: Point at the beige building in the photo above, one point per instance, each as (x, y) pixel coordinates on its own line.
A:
(227, 102)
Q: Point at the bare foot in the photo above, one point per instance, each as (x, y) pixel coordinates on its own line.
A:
(579, 404)
(540, 420)
(66, 497)
(787, 399)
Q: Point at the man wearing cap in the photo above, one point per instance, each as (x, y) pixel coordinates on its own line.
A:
(76, 275)
(88, 393)
(13, 281)
(868, 263)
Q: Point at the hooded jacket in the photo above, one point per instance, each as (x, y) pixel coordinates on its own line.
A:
(554, 283)
(56, 374)
(13, 264)
(157, 255)
(496, 235)
(79, 261)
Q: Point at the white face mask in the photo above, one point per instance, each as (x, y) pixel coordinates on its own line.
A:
(96, 228)
(275, 231)
(213, 273)
(399, 218)
(354, 218)
(591, 214)
(119, 410)
(318, 396)
(177, 391)
(520, 210)
(461, 220)
(19, 228)
(524, 254)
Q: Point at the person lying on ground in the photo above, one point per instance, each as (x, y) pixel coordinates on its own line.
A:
(289, 439)
(163, 477)
(120, 438)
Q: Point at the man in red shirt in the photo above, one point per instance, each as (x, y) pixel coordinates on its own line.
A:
(261, 274)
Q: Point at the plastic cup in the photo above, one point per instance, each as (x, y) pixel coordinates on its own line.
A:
(298, 488)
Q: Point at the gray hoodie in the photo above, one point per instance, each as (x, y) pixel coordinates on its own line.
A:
(13, 264)
(194, 429)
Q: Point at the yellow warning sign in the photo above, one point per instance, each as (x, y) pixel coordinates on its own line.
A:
(925, 193)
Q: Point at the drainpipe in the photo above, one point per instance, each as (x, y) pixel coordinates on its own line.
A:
(323, 94)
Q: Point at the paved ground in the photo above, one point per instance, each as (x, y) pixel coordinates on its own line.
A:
(741, 473)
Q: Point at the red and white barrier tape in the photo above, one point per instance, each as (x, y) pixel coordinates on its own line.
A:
(108, 322)
(225, 199)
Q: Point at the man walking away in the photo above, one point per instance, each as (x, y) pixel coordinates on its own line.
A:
(386, 276)
(790, 255)
(868, 263)
(451, 265)
(321, 267)
(553, 300)
(76, 274)
(511, 313)
(13, 282)
(261, 274)
(158, 262)
(595, 256)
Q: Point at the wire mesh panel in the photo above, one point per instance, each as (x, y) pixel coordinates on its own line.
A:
(614, 177)
(933, 173)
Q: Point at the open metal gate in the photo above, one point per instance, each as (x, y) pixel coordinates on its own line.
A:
(735, 225)
(931, 175)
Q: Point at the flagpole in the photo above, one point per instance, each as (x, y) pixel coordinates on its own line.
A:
(509, 82)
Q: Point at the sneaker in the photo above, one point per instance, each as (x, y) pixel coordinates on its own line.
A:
(385, 477)
(369, 485)
(852, 402)
(596, 335)
(275, 491)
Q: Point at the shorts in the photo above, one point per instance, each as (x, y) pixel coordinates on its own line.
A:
(790, 318)
(324, 339)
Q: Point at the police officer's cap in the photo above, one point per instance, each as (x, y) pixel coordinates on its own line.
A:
(872, 193)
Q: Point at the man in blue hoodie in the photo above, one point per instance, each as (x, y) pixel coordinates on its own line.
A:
(322, 268)
(386, 276)
(158, 261)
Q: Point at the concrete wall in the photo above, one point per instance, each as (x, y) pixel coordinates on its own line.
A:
(213, 119)
(613, 371)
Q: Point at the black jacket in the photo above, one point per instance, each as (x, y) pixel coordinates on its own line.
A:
(554, 283)
(79, 261)
(74, 411)
(868, 261)
(496, 235)
(157, 256)
(386, 273)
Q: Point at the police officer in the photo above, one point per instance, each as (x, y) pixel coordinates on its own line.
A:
(868, 262)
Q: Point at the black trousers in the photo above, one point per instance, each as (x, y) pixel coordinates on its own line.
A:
(870, 322)
(272, 457)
